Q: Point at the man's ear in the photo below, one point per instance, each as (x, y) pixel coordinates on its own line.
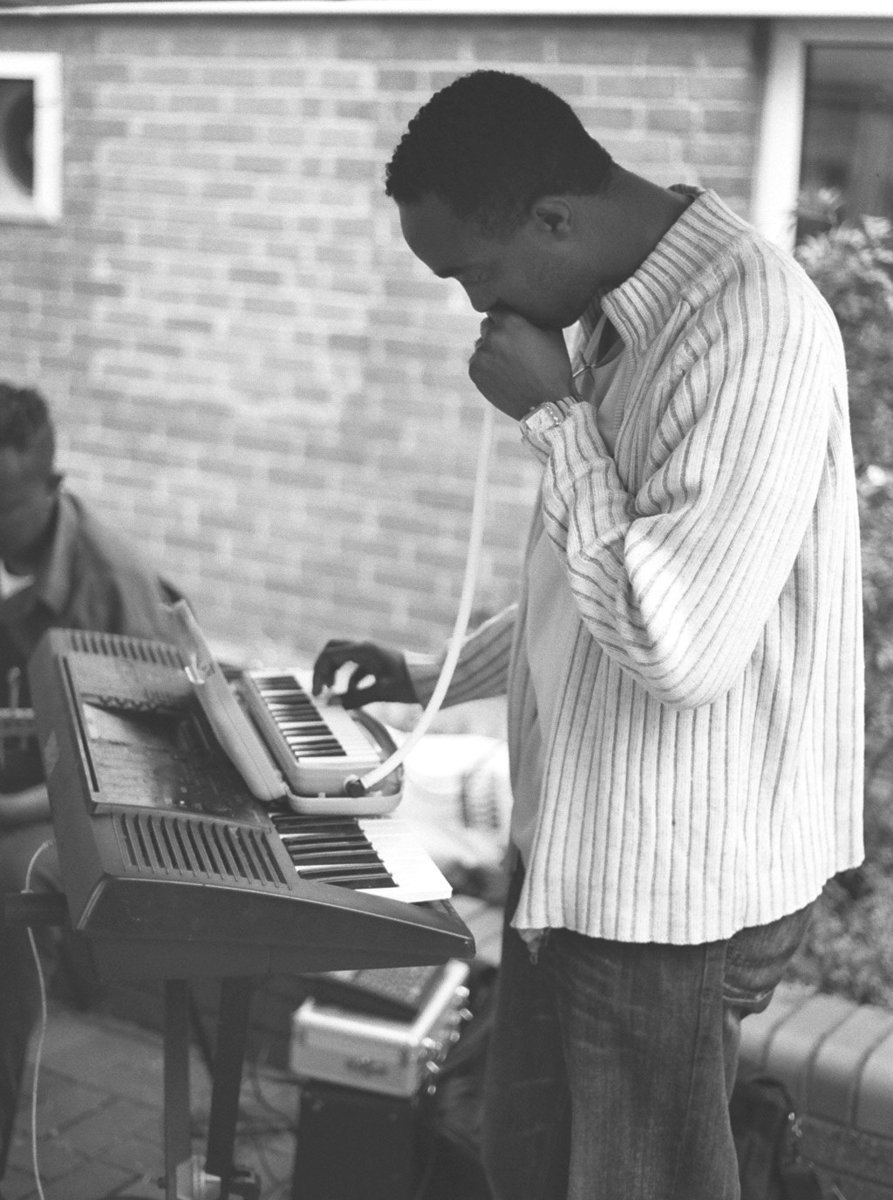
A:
(554, 215)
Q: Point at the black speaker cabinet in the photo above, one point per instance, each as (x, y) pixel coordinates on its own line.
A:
(353, 1145)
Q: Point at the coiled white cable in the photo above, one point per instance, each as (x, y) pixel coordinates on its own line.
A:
(365, 784)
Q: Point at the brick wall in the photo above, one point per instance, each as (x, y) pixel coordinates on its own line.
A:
(250, 371)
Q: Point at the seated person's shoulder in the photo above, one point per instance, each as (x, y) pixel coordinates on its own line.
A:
(113, 585)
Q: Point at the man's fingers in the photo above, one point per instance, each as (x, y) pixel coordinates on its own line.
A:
(331, 658)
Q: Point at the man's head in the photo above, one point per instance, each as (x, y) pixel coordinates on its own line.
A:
(28, 482)
(490, 177)
(489, 145)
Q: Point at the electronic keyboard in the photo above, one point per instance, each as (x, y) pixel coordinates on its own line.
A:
(174, 868)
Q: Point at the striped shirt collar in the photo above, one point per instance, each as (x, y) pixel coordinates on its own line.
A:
(590, 318)
(640, 306)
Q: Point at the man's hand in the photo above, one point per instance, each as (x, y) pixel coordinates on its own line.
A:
(381, 671)
(517, 365)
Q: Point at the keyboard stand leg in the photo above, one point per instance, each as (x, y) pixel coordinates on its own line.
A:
(187, 1176)
(177, 1141)
(229, 1057)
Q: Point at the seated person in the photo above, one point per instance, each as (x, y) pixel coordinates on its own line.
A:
(59, 567)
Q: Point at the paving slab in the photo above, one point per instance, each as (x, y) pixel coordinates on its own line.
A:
(100, 1096)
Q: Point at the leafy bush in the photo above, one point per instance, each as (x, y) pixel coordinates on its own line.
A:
(849, 949)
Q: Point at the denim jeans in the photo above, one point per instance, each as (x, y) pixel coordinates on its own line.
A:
(611, 1063)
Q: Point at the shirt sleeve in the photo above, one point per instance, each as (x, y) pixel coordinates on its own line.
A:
(481, 669)
(675, 578)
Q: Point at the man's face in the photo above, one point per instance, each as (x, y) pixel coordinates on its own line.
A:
(528, 271)
(27, 501)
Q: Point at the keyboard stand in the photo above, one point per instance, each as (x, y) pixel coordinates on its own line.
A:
(186, 1176)
(214, 1177)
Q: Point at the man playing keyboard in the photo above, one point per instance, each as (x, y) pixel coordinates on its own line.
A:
(684, 663)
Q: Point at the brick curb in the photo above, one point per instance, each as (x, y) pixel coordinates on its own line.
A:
(836, 1058)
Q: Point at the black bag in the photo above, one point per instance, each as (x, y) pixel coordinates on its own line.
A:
(767, 1137)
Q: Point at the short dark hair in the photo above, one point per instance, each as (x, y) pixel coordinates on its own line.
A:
(489, 144)
(26, 424)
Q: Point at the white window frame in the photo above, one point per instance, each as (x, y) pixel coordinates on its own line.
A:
(777, 173)
(44, 71)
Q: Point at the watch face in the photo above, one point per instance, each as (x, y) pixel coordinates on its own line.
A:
(541, 419)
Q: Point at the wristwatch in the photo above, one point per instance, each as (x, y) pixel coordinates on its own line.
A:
(537, 423)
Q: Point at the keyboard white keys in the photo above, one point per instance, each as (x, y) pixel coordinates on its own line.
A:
(379, 855)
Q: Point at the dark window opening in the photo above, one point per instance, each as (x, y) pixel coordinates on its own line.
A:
(17, 133)
(847, 160)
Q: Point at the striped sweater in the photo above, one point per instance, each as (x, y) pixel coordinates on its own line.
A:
(704, 770)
